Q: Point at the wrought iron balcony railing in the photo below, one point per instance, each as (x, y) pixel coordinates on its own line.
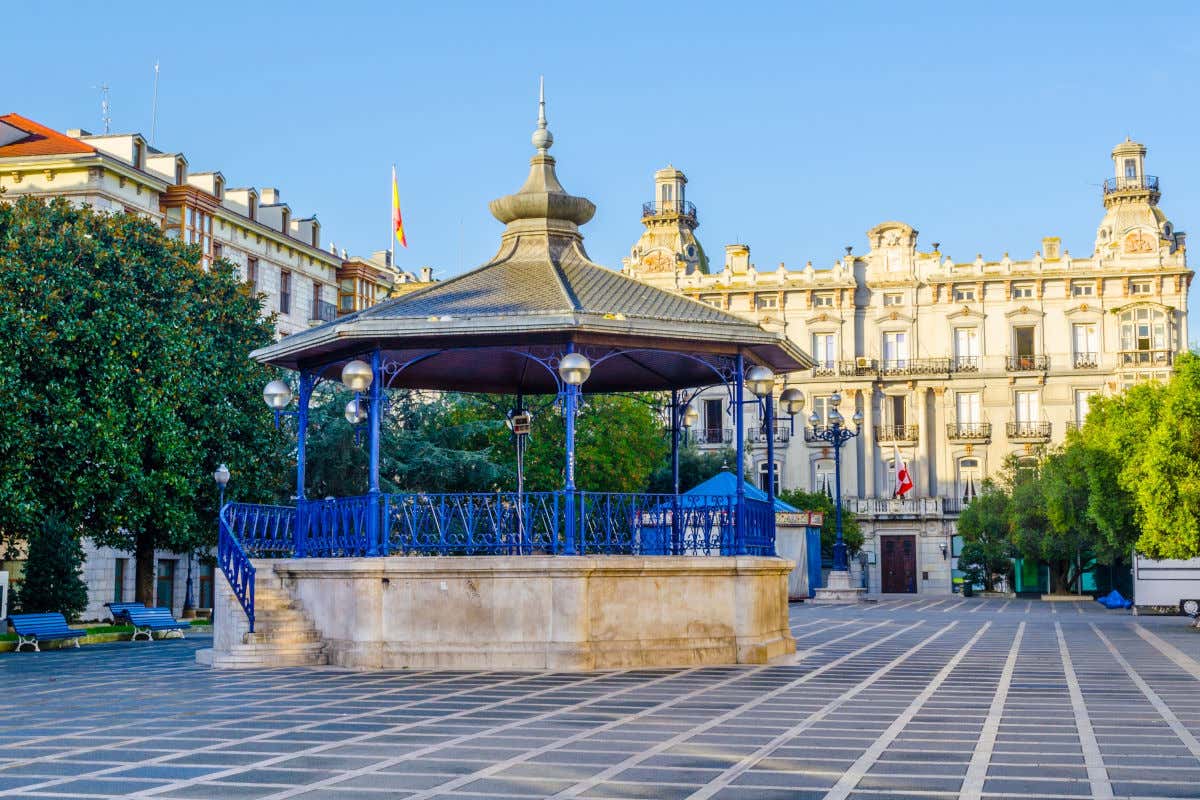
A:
(964, 364)
(1026, 363)
(1145, 182)
(714, 435)
(1087, 360)
(783, 431)
(1030, 431)
(811, 434)
(659, 208)
(825, 369)
(896, 433)
(915, 366)
(859, 367)
(969, 431)
(1145, 358)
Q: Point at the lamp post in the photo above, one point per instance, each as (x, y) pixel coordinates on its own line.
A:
(221, 478)
(520, 421)
(837, 434)
(574, 369)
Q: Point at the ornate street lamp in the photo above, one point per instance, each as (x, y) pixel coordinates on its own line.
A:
(574, 368)
(221, 478)
(761, 381)
(356, 411)
(357, 375)
(277, 394)
(837, 434)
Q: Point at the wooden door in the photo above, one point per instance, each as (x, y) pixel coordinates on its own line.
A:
(898, 565)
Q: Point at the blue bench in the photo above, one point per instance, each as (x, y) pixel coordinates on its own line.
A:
(147, 621)
(34, 628)
(118, 611)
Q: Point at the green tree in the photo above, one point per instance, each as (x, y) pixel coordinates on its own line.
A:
(52, 574)
(126, 362)
(695, 467)
(819, 501)
(985, 527)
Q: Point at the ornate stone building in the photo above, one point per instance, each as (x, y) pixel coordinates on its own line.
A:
(955, 365)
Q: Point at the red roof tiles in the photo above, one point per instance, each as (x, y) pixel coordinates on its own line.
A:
(41, 141)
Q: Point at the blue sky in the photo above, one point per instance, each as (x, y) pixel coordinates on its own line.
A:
(799, 125)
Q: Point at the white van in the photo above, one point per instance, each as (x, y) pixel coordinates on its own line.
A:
(1162, 585)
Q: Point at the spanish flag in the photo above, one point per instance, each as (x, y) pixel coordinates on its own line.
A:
(397, 220)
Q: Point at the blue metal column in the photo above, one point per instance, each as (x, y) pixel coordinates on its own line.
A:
(570, 401)
(769, 421)
(375, 412)
(300, 535)
(676, 528)
(839, 545)
(739, 531)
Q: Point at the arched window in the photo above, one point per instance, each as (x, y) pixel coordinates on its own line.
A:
(762, 476)
(823, 480)
(969, 478)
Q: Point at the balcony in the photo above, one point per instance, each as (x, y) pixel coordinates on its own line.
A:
(893, 507)
(812, 435)
(664, 208)
(896, 433)
(783, 432)
(1026, 363)
(324, 312)
(969, 431)
(964, 364)
(1086, 361)
(714, 436)
(825, 369)
(1029, 431)
(859, 367)
(1135, 184)
(915, 366)
(1145, 358)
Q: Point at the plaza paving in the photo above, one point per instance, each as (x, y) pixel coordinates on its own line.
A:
(905, 698)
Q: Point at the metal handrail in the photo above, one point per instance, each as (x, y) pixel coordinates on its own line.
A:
(1087, 360)
(1028, 430)
(965, 364)
(1133, 358)
(969, 430)
(1136, 183)
(658, 208)
(1026, 363)
(896, 433)
(715, 435)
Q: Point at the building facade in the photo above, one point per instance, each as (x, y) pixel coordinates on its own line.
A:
(955, 365)
(280, 254)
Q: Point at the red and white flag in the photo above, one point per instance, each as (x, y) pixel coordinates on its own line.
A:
(904, 482)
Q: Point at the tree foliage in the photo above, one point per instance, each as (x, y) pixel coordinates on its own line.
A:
(819, 501)
(125, 382)
(984, 525)
(52, 579)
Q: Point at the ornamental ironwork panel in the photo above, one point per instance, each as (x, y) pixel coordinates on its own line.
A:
(1146, 358)
(1026, 363)
(896, 433)
(974, 431)
(1029, 430)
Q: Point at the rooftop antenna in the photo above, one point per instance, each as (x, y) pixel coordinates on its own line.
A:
(105, 108)
(154, 106)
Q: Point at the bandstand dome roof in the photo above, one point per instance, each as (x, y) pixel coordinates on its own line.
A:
(540, 291)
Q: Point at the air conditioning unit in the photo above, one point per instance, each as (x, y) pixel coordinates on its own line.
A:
(862, 363)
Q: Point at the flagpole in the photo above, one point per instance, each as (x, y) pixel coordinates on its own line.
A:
(392, 219)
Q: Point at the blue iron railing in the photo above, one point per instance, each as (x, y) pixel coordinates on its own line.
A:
(499, 523)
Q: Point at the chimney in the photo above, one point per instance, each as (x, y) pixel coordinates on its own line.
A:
(426, 274)
(76, 133)
(268, 196)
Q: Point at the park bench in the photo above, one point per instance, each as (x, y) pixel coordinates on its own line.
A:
(34, 628)
(117, 610)
(147, 621)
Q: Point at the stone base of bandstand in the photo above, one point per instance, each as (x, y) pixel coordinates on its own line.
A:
(571, 613)
(838, 591)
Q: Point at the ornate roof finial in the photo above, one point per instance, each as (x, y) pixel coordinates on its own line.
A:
(542, 138)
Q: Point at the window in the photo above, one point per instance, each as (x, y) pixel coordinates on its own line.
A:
(823, 479)
(178, 173)
(218, 250)
(895, 349)
(967, 405)
(969, 478)
(165, 585)
(1130, 168)
(966, 349)
(1144, 336)
(205, 595)
(1083, 289)
(666, 193)
(285, 292)
(252, 272)
(1027, 406)
(895, 406)
(253, 207)
(893, 299)
(219, 188)
(1022, 291)
(316, 301)
(714, 421)
(1139, 287)
(119, 580)
(1087, 347)
(963, 294)
(1083, 399)
(823, 299)
(763, 469)
(824, 350)
(139, 153)
(766, 301)
(1023, 341)
(284, 222)
(820, 407)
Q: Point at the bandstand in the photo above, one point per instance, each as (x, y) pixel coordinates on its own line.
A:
(566, 579)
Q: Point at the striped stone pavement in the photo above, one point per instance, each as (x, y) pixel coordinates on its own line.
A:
(902, 698)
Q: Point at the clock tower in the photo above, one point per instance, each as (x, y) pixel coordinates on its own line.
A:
(668, 249)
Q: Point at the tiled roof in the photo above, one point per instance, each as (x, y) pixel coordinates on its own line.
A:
(41, 141)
